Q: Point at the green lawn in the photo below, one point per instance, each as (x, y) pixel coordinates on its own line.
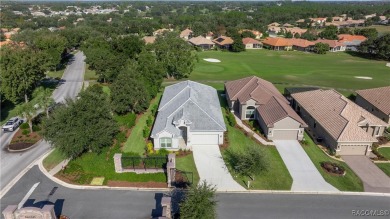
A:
(54, 158)
(89, 74)
(349, 182)
(382, 29)
(55, 74)
(385, 152)
(136, 143)
(187, 164)
(292, 68)
(90, 165)
(385, 167)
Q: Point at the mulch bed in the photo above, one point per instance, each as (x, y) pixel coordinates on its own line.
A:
(32, 137)
(333, 169)
(112, 183)
(382, 140)
(20, 146)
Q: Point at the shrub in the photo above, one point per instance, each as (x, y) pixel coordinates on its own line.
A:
(25, 132)
(231, 120)
(149, 121)
(150, 148)
(146, 132)
(154, 109)
(127, 120)
(36, 128)
(24, 126)
(121, 137)
(304, 141)
(331, 151)
(162, 152)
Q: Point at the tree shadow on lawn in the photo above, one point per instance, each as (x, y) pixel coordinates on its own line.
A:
(364, 55)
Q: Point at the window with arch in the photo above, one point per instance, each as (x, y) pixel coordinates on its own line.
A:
(250, 112)
(165, 142)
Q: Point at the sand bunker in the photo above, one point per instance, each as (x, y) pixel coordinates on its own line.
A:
(212, 60)
(362, 77)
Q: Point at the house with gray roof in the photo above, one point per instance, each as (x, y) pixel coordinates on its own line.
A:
(375, 101)
(253, 98)
(340, 123)
(189, 114)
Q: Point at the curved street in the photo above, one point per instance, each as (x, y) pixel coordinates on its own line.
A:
(13, 163)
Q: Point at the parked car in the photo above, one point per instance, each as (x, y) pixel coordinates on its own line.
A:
(12, 124)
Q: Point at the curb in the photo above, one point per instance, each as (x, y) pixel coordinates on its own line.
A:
(34, 145)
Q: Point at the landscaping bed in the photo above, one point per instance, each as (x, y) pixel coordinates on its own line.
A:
(349, 182)
(23, 140)
(53, 159)
(112, 183)
(333, 168)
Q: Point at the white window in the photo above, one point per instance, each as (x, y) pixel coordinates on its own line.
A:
(165, 142)
(250, 112)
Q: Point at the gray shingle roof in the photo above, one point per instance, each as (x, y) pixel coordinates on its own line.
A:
(196, 104)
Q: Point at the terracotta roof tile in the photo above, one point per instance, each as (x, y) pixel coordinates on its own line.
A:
(379, 97)
(249, 40)
(223, 40)
(200, 40)
(277, 41)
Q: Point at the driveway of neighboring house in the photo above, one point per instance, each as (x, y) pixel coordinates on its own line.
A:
(305, 175)
(374, 180)
(212, 168)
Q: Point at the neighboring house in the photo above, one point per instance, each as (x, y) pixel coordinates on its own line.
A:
(274, 24)
(295, 30)
(273, 31)
(186, 34)
(375, 101)
(209, 35)
(252, 43)
(277, 43)
(253, 98)
(189, 115)
(287, 25)
(202, 42)
(318, 21)
(257, 34)
(161, 31)
(351, 42)
(337, 19)
(369, 16)
(223, 42)
(338, 122)
(301, 44)
(149, 39)
(334, 45)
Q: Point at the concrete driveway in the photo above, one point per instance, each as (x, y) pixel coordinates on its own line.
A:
(212, 168)
(374, 179)
(305, 175)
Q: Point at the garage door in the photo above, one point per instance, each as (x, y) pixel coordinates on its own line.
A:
(285, 135)
(346, 149)
(202, 139)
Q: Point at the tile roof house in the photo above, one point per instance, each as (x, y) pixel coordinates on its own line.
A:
(257, 33)
(253, 98)
(223, 42)
(338, 122)
(189, 114)
(277, 43)
(375, 101)
(351, 42)
(186, 34)
(296, 30)
(161, 31)
(301, 44)
(334, 45)
(149, 39)
(252, 43)
(202, 42)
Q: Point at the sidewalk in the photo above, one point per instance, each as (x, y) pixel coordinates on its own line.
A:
(255, 135)
(59, 167)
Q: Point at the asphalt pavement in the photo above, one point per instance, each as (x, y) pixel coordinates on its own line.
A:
(11, 164)
(105, 203)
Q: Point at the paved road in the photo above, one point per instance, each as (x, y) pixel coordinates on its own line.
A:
(374, 179)
(13, 163)
(212, 168)
(305, 175)
(141, 204)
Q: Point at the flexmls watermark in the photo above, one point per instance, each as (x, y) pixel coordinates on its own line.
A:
(370, 212)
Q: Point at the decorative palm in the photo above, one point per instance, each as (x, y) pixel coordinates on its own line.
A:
(28, 111)
(45, 101)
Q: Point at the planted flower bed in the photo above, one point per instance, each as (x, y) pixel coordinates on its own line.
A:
(333, 168)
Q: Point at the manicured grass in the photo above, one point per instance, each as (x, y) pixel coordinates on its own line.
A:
(91, 165)
(292, 68)
(54, 158)
(90, 74)
(136, 143)
(385, 152)
(349, 182)
(382, 29)
(55, 74)
(385, 167)
(187, 164)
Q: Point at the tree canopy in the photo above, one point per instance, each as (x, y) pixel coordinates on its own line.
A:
(83, 125)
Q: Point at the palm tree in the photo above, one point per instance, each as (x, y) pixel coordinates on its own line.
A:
(28, 111)
(45, 101)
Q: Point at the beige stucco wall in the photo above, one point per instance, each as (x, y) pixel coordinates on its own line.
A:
(243, 107)
(284, 124)
(372, 109)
